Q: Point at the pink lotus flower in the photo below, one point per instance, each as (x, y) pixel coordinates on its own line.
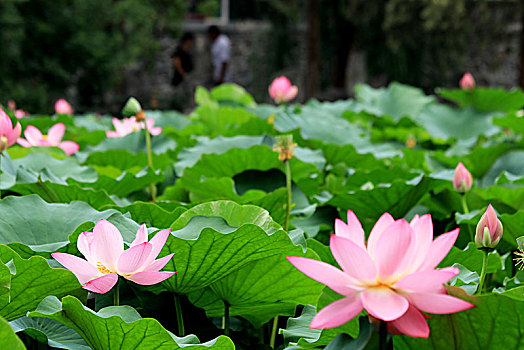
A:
(462, 179)
(106, 258)
(489, 229)
(11, 104)
(8, 134)
(281, 90)
(52, 139)
(129, 125)
(20, 113)
(467, 82)
(393, 277)
(63, 107)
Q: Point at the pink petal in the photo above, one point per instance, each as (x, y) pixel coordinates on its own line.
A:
(384, 221)
(354, 260)
(158, 242)
(102, 284)
(438, 303)
(107, 244)
(69, 147)
(383, 303)
(338, 312)
(412, 323)
(439, 248)
(56, 133)
(147, 278)
(291, 93)
(5, 123)
(141, 235)
(392, 249)
(353, 230)
(83, 270)
(85, 239)
(112, 133)
(14, 135)
(155, 131)
(430, 281)
(324, 273)
(134, 258)
(423, 228)
(159, 264)
(120, 128)
(33, 135)
(24, 143)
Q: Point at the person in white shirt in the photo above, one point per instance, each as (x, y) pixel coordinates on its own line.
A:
(221, 55)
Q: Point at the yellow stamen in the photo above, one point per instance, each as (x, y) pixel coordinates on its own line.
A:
(44, 137)
(102, 268)
(519, 260)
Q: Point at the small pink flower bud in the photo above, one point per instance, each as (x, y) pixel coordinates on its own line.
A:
(11, 105)
(63, 107)
(282, 91)
(467, 82)
(462, 179)
(489, 230)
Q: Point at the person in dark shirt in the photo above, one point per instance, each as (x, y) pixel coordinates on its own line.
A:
(182, 61)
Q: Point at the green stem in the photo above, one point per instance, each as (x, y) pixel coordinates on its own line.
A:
(466, 211)
(484, 270)
(150, 161)
(116, 295)
(179, 317)
(383, 335)
(274, 332)
(288, 188)
(225, 320)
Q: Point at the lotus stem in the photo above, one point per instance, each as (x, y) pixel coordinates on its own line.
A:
(274, 332)
(466, 211)
(383, 335)
(483, 271)
(288, 188)
(179, 317)
(150, 162)
(116, 295)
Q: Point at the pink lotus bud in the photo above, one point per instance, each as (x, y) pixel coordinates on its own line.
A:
(281, 90)
(19, 114)
(8, 134)
(489, 230)
(462, 179)
(467, 82)
(11, 105)
(63, 107)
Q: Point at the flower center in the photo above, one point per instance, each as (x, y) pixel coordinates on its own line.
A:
(102, 268)
(44, 137)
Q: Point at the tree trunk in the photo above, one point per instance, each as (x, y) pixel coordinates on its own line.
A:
(313, 48)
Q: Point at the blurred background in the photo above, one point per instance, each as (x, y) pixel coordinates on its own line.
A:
(96, 53)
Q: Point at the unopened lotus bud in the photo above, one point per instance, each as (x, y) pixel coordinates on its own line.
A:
(132, 108)
(3, 143)
(462, 179)
(467, 82)
(285, 147)
(489, 230)
(11, 105)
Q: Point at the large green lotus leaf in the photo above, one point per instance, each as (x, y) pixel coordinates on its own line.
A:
(190, 156)
(92, 122)
(252, 293)
(510, 162)
(118, 327)
(511, 122)
(471, 258)
(397, 198)
(7, 171)
(497, 322)
(510, 197)
(173, 119)
(119, 183)
(125, 160)
(8, 338)
(58, 193)
(151, 213)
(45, 227)
(5, 281)
(486, 99)
(445, 122)
(264, 111)
(31, 281)
(232, 93)
(396, 101)
(349, 156)
(48, 331)
(134, 143)
(43, 123)
(214, 239)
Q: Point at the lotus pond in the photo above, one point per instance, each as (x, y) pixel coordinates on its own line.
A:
(391, 220)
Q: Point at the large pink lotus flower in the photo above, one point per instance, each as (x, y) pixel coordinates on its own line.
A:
(462, 179)
(106, 258)
(8, 134)
(467, 82)
(63, 107)
(282, 91)
(129, 125)
(393, 277)
(34, 138)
